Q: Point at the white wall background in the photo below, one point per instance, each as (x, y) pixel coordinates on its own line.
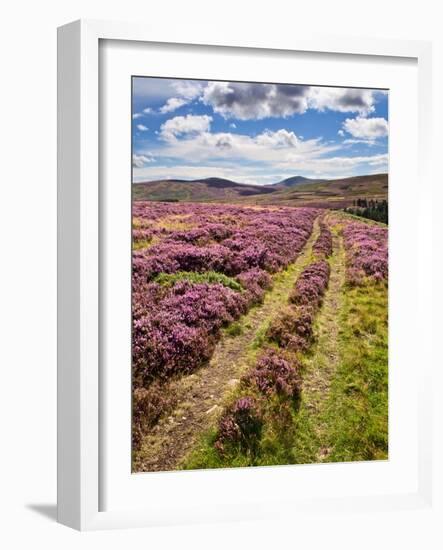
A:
(28, 267)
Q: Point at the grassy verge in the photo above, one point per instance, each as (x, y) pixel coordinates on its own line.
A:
(347, 419)
(358, 404)
(210, 277)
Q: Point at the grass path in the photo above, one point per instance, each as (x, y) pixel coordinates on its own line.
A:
(321, 363)
(200, 396)
(343, 414)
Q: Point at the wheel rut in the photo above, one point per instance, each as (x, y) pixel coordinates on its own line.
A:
(321, 366)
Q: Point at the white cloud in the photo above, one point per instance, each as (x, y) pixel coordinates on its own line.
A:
(262, 174)
(142, 128)
(373, 160)
(248, 101)
(147, 110)
(186, 171)
(254, 101)
(184, 125)
(354, 141)
(200, 144)
(172, 104)
(136, 115)
(233, 125)
(366, 128)
(138, 161)
(343, 100)
(341, 133)
(278, 139)
(189, 89)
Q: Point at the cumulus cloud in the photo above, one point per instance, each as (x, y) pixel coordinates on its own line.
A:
(147, 110)
(142, 128)
(343, 100)
(247, 101)
(139, 161)
(136, 115)
(366, 128)
(189, 89)
(173, 104)
(190, 138)
(278, 139)
(184, 125)
(254, 101)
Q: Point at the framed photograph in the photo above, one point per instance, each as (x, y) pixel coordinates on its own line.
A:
(241, 281)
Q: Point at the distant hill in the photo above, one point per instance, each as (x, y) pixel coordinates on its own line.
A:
(294, 191)
(207, 189)
(337, 193)
(296, 180)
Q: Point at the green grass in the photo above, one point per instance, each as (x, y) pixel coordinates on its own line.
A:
(210, 277)
(275, 445)
(350, 422)
(358, 404)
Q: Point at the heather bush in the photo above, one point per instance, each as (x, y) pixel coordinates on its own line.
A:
(275, 374)
(366, 252)
(148, 404)
(142, 234)
(240, 425)
(255, 282)
(175, 329)
(323, 245)
(208, 265)
(292, 328)
(311, 285)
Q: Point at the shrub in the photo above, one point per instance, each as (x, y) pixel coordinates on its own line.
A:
(366, 252)
(241, 424)
(323, 244)
(311, 284)
(255, 282)
(292, 328)
(148, 405)
(274, 374)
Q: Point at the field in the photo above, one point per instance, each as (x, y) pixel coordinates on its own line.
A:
(259, 334)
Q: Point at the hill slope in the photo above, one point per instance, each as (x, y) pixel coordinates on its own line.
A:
(334, 194)
(208, 189)
(296, 180)
(295, 191)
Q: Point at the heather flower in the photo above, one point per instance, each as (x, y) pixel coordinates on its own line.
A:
(323, 244)
(185, 285)
(311, 284)
(241, 424)
(275, 374)
(366, 252)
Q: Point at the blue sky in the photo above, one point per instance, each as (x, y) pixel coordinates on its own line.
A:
(255, 133)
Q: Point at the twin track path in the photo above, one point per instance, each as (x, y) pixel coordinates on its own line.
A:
(200, 396)
(312, 445)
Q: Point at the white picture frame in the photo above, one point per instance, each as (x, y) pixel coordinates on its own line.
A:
(79, 256)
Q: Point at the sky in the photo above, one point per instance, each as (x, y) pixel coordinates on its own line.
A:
(255, 132)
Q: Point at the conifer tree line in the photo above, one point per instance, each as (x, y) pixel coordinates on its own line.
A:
(372, 209)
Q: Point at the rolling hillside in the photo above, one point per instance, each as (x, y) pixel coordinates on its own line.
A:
(208, 189)
(335, 194)
(295, 191)
(296, 180)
